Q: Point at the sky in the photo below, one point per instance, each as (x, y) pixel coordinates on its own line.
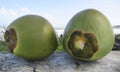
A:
(57, 12)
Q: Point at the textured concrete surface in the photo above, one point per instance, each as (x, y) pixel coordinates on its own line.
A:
(59, 62)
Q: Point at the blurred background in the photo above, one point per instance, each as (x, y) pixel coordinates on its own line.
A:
(57, 12)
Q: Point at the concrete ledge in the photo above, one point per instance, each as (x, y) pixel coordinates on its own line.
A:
(59, 62)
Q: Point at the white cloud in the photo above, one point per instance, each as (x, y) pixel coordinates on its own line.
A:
(9, 15)
(3, 11)
(8, 12)
(25, 10)
(12, 13)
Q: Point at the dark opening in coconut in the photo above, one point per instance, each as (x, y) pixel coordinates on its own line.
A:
(11, 39)
(82, 45)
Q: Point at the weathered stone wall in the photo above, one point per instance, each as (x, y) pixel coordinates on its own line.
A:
(59, 62)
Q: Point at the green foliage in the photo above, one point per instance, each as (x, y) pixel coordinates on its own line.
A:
(117, 43)
(60, 46)
(3, 46)
(117, 36)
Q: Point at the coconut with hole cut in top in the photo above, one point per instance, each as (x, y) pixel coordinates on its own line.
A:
(88, 35)
(31, 37)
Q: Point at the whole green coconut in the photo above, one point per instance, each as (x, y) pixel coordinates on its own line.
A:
(31, 37)
(88, 36)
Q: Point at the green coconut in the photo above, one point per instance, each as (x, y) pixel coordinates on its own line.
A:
(31, 37)
(88, 36)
